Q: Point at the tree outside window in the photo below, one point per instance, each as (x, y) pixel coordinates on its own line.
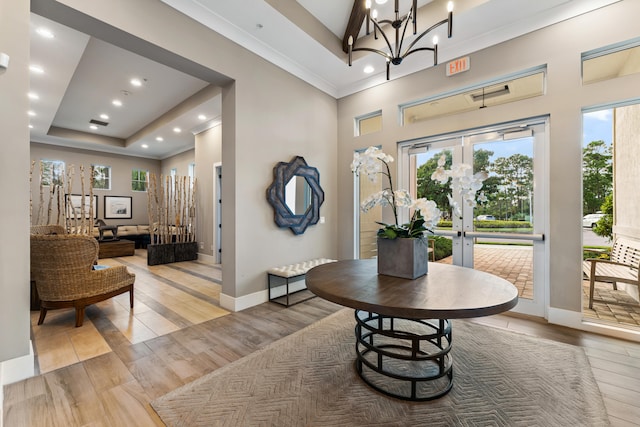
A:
(101, 177)
(52, 172)
(597, 175)
(139, 180)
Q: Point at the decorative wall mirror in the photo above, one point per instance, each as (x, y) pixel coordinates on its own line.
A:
(295, 195)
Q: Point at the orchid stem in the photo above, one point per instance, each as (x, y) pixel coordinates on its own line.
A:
(393, 195)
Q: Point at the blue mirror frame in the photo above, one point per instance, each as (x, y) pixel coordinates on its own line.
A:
(282, 173)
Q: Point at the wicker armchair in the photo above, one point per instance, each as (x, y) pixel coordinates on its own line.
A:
(48, 229)
(62, 268)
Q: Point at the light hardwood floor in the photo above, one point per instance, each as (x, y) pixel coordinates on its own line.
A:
(106, 372)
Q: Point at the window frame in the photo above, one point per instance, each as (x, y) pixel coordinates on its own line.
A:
(108, 178)
(46, 180)
(145, 181)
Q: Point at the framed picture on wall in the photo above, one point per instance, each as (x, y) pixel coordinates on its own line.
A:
(73, 206)
(117, 207)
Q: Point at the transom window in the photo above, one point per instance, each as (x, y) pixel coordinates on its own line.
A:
(523, 85)
(368, 123)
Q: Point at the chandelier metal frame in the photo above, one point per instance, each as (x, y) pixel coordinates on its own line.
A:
(394, 56)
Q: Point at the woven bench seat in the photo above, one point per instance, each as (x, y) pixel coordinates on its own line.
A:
(287, 274)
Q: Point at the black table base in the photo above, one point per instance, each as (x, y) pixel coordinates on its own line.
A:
(404, 358)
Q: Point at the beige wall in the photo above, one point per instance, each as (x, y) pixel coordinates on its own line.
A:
(14, 182)
(559, 47)
(208, 152)
(180, 161)
(626, 163)
(268, 116)
(121, 167)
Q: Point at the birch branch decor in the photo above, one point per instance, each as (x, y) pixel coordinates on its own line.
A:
(171, 207)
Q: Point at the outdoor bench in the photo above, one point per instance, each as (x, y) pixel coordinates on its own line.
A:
(622, 267)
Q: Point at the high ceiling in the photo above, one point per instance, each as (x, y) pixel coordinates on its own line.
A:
(84, 74)
(80, 88)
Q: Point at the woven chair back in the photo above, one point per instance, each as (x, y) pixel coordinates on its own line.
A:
(61, 264)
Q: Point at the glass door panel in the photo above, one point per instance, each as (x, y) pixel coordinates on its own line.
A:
(504, 235)
(502, 228)
(368, 228)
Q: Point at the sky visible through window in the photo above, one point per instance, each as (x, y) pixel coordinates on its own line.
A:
(597, 125)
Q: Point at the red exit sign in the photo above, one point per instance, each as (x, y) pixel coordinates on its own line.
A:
(459, 65)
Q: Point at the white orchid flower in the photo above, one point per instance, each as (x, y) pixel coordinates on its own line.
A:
(403, 198)
(441, 175)
(455, 208)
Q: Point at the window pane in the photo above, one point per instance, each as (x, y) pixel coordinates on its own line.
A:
(480, 97)
(610, 65)
(369, 124)
(52, 171)
(101, 177)
(138, 180)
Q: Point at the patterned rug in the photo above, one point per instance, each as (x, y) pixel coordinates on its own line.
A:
(501, 378)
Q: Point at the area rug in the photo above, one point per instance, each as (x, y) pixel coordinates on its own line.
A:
(501, 378)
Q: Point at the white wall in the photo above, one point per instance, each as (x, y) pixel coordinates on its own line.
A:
(559, 47)
(121, 167)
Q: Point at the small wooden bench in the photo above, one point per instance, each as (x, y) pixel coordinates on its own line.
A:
(287, 274)
(622, 267)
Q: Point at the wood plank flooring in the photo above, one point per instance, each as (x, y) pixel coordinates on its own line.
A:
(122, 362)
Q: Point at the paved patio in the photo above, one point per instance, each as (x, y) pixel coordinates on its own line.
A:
(515, 263)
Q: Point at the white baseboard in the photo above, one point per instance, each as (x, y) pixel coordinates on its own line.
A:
(575, 320)
(207, 258)
(241, 303)
(18, 369)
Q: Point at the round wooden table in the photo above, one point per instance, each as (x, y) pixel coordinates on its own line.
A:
(403, 327)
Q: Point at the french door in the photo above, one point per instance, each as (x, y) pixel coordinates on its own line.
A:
(504, 235)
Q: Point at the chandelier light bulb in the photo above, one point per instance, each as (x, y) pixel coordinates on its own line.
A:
(367, 4)
(374, 14)
(435, 39)
(450, 6)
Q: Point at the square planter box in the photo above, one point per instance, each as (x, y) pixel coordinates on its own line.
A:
(171, 252)
(406, 258)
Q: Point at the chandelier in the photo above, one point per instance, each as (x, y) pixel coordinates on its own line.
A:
(395, 55)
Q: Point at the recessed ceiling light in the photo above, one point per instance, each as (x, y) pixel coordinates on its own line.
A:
(45, 32)
(202, 117)
(104, 117)
(93, 127)
(31, 113)
(177, 130)
(33, 95)
(136, 82)
(145, 146)
(117, 102)
(368, 69)
(159, 138)
(381, 1)
(36, 69)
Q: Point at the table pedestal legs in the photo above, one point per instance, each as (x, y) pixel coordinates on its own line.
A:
(404, 358)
